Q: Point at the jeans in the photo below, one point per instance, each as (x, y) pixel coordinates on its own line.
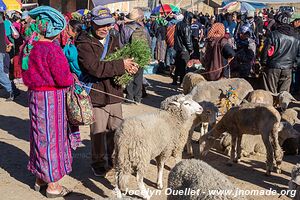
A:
(153, 47)
(4, 79)
(170, 58)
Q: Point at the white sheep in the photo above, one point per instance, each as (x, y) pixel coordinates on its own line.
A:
(214, 91)
(158, 135)
(198, 176)
(190, 80)
(250, 119)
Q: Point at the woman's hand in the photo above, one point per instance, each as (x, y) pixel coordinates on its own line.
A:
(130, 66)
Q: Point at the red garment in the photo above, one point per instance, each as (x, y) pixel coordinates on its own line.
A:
(170, 35)
(17, 67)
(48, 67)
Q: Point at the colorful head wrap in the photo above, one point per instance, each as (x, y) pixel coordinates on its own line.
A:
(48, 22)
(216, 31)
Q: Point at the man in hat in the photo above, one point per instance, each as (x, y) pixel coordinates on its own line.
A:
(153, 33)
(281, 52)
(92, 49)
(295, 20)
(134, 30)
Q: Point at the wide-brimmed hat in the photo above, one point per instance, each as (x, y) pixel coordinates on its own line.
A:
(135, 14)
(102, 16)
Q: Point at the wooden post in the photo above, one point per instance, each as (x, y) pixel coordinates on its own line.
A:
(88, 4)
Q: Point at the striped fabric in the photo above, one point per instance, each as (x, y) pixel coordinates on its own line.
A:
(50, 151)
(170, 35)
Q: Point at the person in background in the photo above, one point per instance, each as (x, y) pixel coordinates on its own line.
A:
(5, 46)
(295, 21)
(197, 33)
(93, 46)
(245, 53)
(281, 52)
(153, 33)
(135, 30)
(73, 29)
(183, 46)
(161, 45)
(230, 25)
(218, 53)
(170, 58)
(47, 75)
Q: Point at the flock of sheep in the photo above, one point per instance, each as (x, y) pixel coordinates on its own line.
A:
(258, 122)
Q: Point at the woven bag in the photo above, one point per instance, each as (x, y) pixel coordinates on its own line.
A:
(79, 105)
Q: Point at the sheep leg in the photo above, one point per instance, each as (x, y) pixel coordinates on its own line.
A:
(189, 147)
(233, 150)
(269, 149)
(160, 169)
(239, 149)
(277, 149)
(117, 189)
(142, 187)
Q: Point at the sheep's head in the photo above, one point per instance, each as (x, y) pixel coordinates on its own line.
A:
(210, 112)
(286, 131)
(295, 177)
(283, 99)
(188, 106)
(182, 105)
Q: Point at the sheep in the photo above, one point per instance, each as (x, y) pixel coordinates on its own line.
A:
(190, 80)
(214, 91)
(158, 135)
(253, 144)
(294, 183)
(250, 119)
(198, 176)
(281, 99)
(291, 145)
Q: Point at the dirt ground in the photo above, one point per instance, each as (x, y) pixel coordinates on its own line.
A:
(16, 182)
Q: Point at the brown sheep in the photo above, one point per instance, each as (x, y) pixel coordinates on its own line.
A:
(250, 119)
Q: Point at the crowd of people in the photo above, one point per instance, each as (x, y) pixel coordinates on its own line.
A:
(42, 48)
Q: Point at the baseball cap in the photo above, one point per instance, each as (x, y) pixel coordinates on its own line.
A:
(102, 16)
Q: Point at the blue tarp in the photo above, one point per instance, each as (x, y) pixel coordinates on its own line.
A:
(255, 5)
(2, 6)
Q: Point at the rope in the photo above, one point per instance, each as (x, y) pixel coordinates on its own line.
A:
(132, 101)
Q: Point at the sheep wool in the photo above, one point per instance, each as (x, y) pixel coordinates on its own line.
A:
(198, 175)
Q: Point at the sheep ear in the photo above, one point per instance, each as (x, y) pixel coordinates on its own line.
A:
(175, 103)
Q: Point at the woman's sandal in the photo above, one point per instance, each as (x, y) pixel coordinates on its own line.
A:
(38, 187)
(64, 192)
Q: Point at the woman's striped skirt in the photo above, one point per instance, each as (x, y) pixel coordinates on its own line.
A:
(50, 151)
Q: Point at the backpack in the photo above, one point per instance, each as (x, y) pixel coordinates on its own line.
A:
(139, 33)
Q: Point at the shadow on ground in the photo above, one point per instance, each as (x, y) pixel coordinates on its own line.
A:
(15, 126)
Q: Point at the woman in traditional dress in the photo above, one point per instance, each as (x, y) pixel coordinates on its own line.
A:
(47, 74)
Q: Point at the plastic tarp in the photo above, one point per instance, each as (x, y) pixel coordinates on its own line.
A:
(255, 5)
(13, 4)
(104, 2)
(265, 1)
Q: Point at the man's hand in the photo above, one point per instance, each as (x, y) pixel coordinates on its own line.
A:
(130, 66)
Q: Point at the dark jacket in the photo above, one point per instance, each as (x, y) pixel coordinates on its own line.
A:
(89, 53)
(2, 37)
(183, 34)
(286, 49)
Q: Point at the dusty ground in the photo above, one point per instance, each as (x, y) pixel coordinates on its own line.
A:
(16, 182)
